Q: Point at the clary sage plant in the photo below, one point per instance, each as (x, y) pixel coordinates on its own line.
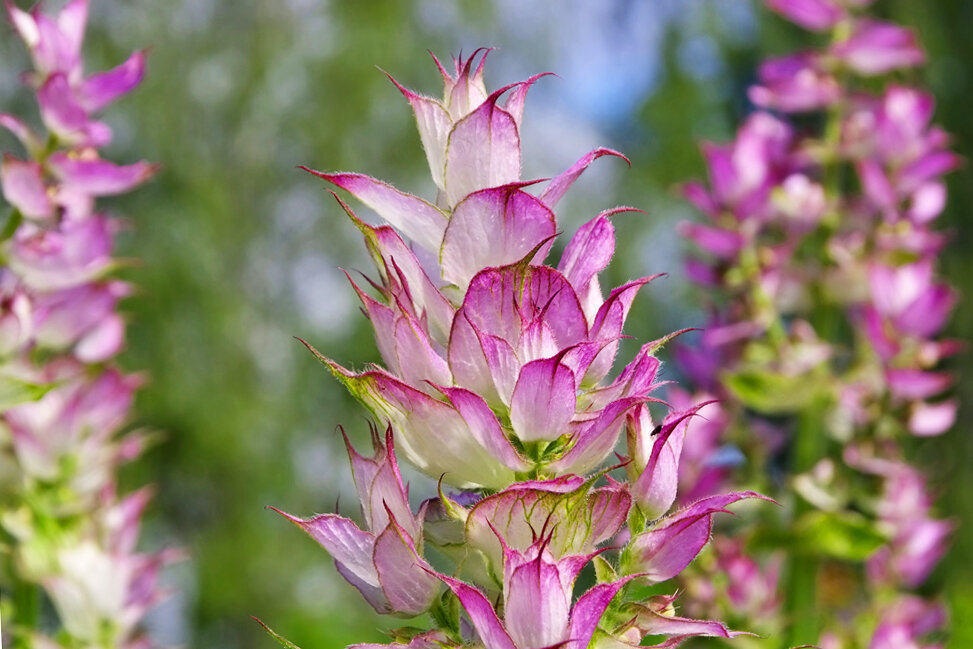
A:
(819, 253)
(497, 382)
(71, 575)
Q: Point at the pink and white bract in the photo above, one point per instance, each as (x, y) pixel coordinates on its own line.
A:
(496, 380)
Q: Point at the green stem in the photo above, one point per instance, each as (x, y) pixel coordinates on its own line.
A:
(27, 598)
(801, 609)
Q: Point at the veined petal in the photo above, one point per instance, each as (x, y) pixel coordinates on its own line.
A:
(544, 400)
(374, 595)
(578, 518)
(404, 275)
(536, 604)
(483, 151)
(560, 185)
(493, 227)
(589, 251)
(595, 439)
(928, 167)
(468, 90)
(434, 124)
(380, 487)
(428, 640)
(23, 187)
(383, 319)
(404, 575)
(484, 426)
(928, 313)
(636, 380)
(99, 90)
(417, 219)
(49, 260)
(518, 96)
(481, 613)
(103, 341)
(99, 177)
(607, 327)
(501, 300)
(481, 362)
(656, 486)
(664, 550)
(24, 24)
(722, 243)
(587, 613)
(418, 360)
(343, 540)
(431, 433)
(650, 622)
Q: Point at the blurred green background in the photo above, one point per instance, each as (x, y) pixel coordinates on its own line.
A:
(239, 251)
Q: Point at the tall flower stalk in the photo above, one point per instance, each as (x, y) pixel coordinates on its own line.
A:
(72, 576)
(496, 381)
(820, 255)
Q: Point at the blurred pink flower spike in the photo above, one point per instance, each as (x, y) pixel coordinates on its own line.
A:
(53, 41)
(383, 563)
(23, 187)
(537, 594)
(875, 47)
(817, 15)
(795, 84)
(67, 98)
(906, 622)
(668, 546)
(96, 177)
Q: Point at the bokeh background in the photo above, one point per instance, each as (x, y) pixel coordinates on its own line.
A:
(239, 251)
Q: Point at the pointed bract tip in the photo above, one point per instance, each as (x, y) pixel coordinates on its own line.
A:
(603, 151)
(294, 519)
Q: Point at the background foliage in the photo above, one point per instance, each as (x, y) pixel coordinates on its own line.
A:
(239, 251)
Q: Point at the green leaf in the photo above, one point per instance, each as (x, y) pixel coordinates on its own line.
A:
(15, 391)
(446, 613)
(279, 638)
(771, 393)
(604, 571)
(11, 223)
(841, 535)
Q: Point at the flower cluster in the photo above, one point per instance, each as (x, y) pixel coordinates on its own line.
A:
(821, 250)
(496, 381)
(68, 534)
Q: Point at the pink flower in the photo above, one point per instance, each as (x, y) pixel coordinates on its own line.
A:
(67, 98)
(817, 15)
(383, 561)
(537, 595)
(875, 47)
(795, 84)
(663, 550)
